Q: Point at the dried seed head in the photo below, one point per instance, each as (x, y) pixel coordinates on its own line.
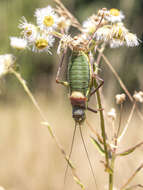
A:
(6, 62)
(112, 114)
(120, 98)
(138, 96)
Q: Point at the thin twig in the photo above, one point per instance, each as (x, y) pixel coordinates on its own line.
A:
(62, 8)
(117, 76)
(135, 187)
(120, 82)
(132, 176)
(100, 54)
(120, 119)
(45, 122)
(128, 121)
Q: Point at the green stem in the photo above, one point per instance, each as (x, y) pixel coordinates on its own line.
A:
(102, 124)
(111, 175)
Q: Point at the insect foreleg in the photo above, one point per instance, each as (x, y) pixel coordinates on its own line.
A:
(101, 84)
(65, 83)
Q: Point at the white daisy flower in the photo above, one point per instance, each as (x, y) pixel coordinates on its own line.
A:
(131, 40)
(29, 31)
(104, 33)
(6, 61)
(18, 43)
(115, 43)
(46, 18)
(119, 31)
(89, 26)
(115, 15)
(63, 24)
(43, 43)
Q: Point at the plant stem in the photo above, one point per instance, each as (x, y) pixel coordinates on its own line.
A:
(102, 125)
(128, 121)
(111, 175)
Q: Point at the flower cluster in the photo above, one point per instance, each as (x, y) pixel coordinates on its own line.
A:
(104, 27)
(112, 30)
(40, 36)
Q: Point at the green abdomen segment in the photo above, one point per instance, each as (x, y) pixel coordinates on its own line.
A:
(79, 73)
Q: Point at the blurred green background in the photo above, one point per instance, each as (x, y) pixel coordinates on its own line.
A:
(29, 160)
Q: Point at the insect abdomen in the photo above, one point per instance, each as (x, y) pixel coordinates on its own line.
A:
(79, 73)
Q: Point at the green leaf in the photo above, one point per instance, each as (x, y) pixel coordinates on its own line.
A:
(98, 146)
(127, 152)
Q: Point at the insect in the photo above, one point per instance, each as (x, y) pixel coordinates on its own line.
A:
(80, 82)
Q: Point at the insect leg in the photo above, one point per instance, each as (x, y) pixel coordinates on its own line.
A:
(65, 83)
(92, 110)
(101, 84)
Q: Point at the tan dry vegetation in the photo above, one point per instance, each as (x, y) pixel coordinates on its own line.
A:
(31, 161)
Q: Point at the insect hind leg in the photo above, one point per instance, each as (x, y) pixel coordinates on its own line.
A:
(99, 85)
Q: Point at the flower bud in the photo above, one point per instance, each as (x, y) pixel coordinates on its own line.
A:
(138, 96)
(120, 98)
(112, 114)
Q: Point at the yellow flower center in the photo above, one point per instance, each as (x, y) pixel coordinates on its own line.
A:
(120, 32)
(92, 29)
(114, 12)
(48, 21)
(28, 32)
(41, 43)
(62, 25)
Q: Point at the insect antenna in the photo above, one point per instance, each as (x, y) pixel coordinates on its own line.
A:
(87, 155)
(75, 126)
